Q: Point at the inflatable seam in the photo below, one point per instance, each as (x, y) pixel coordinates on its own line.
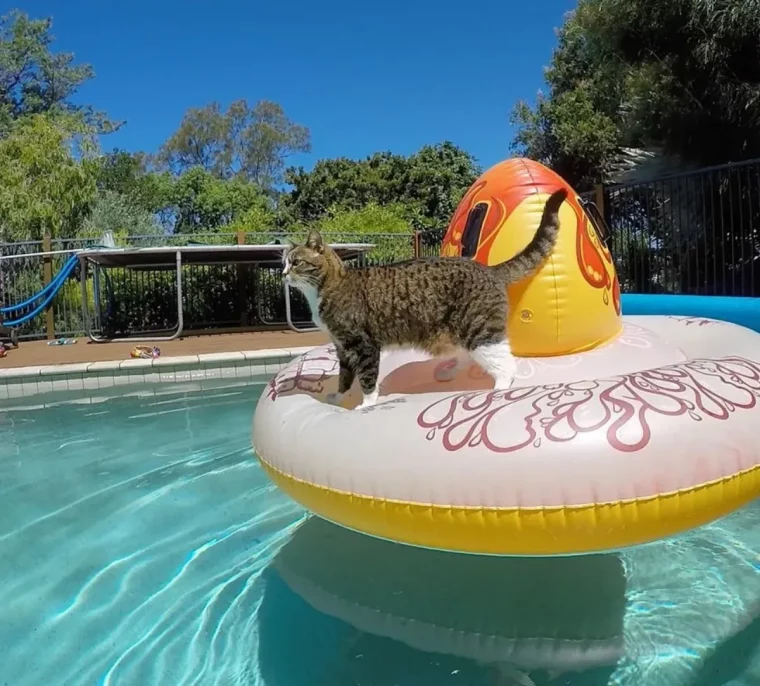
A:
(537, 530)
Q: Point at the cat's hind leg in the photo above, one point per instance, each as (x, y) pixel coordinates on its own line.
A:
(497, 359)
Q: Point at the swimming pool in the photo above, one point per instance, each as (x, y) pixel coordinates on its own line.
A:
(141, 544)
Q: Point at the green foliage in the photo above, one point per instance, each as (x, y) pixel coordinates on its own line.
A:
(385, 226)
(439, 175)
(114, 212)
(119, 171)
(429, 184)
(679, 76)
(568, 134)
(258, 218)
(196, 201)
(370, 219)
(248, 142)
(34, 80)
(204, 202)
(43, 189)
(126, 174)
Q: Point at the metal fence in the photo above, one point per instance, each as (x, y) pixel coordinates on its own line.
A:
(216, 297)
(696, 233)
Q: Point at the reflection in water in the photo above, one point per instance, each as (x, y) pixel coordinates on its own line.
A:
(501, 620)
(341, 608)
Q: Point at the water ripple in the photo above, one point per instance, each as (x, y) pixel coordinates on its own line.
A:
(134, 540)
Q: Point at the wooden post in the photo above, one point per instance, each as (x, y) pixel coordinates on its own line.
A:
(417, 244)
(47, 277)
(599, 199)
(243, 274)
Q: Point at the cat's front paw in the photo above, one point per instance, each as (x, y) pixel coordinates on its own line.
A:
(335, 398)
(368, 401)
(503, 383)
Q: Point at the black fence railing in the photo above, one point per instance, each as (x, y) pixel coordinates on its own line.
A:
(696, 233)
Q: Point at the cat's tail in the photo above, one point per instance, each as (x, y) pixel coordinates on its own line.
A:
(541, 245)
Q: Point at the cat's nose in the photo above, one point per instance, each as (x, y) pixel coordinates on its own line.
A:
(285, 270)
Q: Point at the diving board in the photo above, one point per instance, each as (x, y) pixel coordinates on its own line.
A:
(176, 257)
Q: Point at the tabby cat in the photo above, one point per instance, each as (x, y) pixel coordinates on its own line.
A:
(440, 305)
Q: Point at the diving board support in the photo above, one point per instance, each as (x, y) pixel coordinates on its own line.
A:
(168, 258)
(87, 321)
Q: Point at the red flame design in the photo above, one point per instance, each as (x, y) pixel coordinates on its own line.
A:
(589, 256)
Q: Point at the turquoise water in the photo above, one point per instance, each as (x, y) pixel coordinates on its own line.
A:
(141, 544)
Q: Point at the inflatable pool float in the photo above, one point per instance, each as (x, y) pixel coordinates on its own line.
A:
(518, 612)
(617, 430)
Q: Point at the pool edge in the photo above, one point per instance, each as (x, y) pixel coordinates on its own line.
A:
(20, 382)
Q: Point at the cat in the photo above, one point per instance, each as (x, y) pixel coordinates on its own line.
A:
(440, 305)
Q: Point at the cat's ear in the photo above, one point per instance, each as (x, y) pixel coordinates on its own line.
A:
(289, 247)
(314, 241)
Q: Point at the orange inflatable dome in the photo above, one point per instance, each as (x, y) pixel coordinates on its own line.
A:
(572, 303)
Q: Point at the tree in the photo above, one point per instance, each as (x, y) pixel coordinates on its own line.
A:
(34, 80)
(567, 134)
(381, 225)
(258, 218)
(682, 77)
(120, 171)
(112, 211)
(127, 174)
(428, 184)
(43, 189)
(247, 142)
(203, 202)
(439, 175)
(370, 219)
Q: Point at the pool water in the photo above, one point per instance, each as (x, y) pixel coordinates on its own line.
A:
(141, 544)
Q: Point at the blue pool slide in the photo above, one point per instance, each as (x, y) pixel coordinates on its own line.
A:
(45, 296)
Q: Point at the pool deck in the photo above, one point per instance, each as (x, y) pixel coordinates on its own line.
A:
(39, 354)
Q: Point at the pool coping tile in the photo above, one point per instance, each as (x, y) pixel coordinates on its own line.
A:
(178, 361)
(65, 369)
(245, 364)
(210, 358)
(106, 366)
(19, 372)
(137, 363)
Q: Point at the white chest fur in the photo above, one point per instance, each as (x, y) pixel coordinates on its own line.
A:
(310, 293)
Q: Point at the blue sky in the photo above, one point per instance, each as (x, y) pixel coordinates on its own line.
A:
(363, 76)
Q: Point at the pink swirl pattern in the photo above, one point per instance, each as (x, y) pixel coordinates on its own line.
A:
(308, 374)
(703, 389)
